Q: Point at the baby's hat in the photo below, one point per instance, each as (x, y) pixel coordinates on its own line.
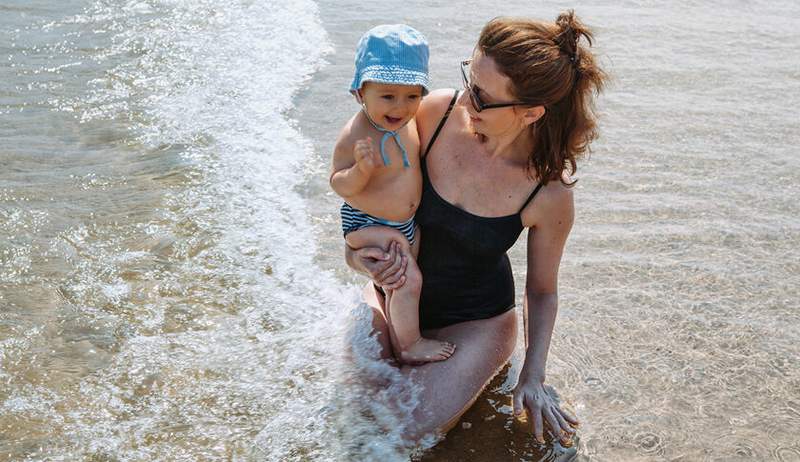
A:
(393, 54)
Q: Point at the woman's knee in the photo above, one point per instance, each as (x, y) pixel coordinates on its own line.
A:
(488, 342)
(450, 387)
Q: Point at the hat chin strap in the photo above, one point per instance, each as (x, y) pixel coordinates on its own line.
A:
(386, 135)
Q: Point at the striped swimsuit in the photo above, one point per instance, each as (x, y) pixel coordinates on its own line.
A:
(354, 219)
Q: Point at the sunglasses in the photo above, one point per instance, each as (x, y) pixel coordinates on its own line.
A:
(477, 104)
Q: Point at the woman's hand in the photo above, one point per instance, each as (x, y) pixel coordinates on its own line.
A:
(541, 407)
(386, 269)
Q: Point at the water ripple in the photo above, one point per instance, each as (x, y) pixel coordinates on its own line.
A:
(787, 454)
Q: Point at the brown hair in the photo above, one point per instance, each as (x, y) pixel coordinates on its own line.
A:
(547, 67)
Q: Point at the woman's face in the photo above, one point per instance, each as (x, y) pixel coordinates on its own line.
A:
(492, 86)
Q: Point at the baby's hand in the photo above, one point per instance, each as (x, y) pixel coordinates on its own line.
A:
(365, 156)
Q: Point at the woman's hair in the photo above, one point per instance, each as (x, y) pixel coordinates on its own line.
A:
(548, 67)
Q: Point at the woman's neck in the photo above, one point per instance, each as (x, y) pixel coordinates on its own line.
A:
(514, 147)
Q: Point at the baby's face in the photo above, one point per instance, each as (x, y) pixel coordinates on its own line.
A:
(391, 106)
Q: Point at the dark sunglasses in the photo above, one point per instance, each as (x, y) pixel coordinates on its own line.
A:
(477, 104)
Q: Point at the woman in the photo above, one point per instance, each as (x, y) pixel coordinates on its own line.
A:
(498, 158)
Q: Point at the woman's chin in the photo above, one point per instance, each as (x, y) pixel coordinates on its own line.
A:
(481, 137)
(475, 128)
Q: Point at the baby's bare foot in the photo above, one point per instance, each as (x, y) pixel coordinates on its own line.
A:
(426, 350)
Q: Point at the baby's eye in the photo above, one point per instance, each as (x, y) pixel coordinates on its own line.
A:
(388, 97)
(413, 97)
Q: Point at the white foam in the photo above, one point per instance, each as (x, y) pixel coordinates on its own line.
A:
(218, 78)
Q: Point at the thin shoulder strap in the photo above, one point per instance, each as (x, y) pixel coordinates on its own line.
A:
(441, 123)
(530, 198)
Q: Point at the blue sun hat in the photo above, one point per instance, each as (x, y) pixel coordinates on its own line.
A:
(396, 54)
(393, 54)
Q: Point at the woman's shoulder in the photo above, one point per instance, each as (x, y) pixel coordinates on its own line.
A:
(554, 202)
(557, 194)
(433, 105)
(431, 110)
(438, 97)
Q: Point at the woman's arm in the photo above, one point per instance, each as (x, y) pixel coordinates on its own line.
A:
(552, 217)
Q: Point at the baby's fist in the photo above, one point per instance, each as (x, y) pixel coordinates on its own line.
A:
(365, 155)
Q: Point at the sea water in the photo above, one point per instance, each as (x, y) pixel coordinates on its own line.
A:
(171, 277)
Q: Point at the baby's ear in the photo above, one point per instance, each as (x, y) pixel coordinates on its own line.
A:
(357, 94)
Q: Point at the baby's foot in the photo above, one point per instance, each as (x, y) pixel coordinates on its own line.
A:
(426, 350)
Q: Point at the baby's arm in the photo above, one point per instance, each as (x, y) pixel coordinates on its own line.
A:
(353, 164)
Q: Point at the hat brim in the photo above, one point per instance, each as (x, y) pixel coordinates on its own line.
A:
(393, 76)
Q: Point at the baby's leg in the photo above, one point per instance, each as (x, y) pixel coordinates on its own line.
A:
(379, 236)
(403, 303)
(403, 318)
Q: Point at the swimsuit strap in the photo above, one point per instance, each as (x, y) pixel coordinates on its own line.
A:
(439, 129)
(386, 135)
(441, 123)
(530, 198)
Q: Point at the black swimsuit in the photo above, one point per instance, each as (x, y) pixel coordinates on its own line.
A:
(466, 274)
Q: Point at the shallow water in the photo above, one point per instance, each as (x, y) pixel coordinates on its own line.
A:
(171, 280)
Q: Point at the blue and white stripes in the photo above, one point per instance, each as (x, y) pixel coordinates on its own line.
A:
(354, 219)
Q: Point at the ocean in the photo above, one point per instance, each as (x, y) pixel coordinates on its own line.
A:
(172, 284)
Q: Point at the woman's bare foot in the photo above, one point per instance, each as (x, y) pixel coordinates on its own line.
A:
(426, 350)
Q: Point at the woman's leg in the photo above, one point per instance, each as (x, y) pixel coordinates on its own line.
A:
(450, 387)
(380, 325)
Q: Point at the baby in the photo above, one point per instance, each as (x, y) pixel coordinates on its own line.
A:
(381, 183)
